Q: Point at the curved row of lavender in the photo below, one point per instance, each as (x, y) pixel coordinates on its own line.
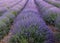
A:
(49, 12)
(31, 24)
(6, 4)
(7, 18)
(54, 2)
(15, 5)
(29, 27)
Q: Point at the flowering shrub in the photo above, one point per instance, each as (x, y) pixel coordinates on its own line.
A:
(29, 27)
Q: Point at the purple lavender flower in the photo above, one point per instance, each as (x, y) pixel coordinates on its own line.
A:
(30, 24)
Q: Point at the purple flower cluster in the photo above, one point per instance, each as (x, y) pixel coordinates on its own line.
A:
(26, 23)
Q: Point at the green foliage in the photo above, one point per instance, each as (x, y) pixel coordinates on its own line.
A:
(58, 26)
(28, 35)
(5, 23)
(51, 18)
(4, 29)
(57, 36)
(18, 39)
(14, 12)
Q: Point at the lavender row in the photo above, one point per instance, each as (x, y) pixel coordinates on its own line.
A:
(5, 23)
(5, 4)
(49, 13)
(16, 6)
(8, 3)
(54, 2)
(30, 27)
(57, 20)
(11, 3)
(7, 19)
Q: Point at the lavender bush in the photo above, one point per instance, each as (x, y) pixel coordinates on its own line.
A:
(29, 27)
(5, 22)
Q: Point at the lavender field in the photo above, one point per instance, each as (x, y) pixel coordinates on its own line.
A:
(29, 21)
